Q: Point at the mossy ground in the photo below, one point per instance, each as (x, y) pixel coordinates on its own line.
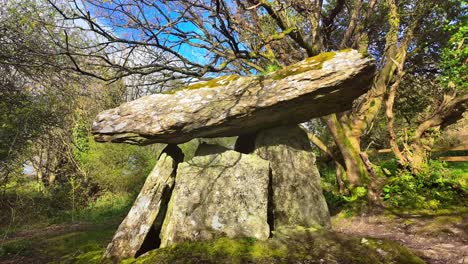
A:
(437, 236)
(87, 243)
(291, 246)
(82, 243)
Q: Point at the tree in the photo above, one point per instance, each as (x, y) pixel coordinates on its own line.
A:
(27, 72)
(251, 36)
(444, 96)
(39, 95)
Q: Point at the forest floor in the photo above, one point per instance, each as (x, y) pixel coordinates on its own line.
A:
(438, 239)
(58, 243)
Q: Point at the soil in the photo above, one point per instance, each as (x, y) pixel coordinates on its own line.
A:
(436, 239)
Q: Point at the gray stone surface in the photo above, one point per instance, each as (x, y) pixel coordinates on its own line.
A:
(297, 194)
(137, 224)
(233, 105)
(189, 148)
(221, 194)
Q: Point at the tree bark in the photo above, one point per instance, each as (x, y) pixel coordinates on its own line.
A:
(390, 117)
(355, 13)
(349, 147)
(340, 171)
(340, 174)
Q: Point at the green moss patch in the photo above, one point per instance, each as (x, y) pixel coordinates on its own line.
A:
(287, 246)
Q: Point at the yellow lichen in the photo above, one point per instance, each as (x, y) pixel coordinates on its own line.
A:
(346, 50)
(223, 80)
(309, 64)
(216, 82)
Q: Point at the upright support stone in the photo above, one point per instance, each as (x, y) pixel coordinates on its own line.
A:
(148, 211)
(297, 195)
(218, 194)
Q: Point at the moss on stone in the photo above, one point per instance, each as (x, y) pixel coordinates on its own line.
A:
(312, 63)
(216, 82)
(345, 50)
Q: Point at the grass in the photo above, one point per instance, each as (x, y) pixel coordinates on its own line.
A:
(62, 246)
(60, 240)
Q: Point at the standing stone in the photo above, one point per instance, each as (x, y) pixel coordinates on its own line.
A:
(297, 195)
(148, 207)
(218, 194)
(189, 148)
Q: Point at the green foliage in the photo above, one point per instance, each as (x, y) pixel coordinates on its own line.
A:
(454, 58)
(389, 167)
(357, 193)
(116, 167)
(23, 117)
(434, 188)
(106, 206)
(26, 202)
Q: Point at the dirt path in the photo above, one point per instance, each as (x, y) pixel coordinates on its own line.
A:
(436, 239)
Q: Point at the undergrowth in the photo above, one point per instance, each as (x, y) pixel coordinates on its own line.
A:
(441, 186)
(438, 186)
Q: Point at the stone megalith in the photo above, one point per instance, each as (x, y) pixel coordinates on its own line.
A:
(148, 211)
(295, 181)
(269, 181)
(218, 194)
(233, 105)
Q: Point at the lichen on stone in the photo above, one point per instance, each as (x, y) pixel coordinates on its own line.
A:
(345, 50)
(213, 83)
(309, 64)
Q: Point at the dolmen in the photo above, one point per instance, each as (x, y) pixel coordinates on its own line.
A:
(264, 182)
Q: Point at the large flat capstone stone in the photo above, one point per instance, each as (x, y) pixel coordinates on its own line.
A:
(233, 105)
(215, 195)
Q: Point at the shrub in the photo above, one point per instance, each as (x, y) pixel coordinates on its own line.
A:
(118, 167)
(436, 187)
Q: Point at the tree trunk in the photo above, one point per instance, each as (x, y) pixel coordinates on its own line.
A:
(349, 147)
(417, 157)
(449, 111)
(340, 173)
(390, 117)
(347, 130)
